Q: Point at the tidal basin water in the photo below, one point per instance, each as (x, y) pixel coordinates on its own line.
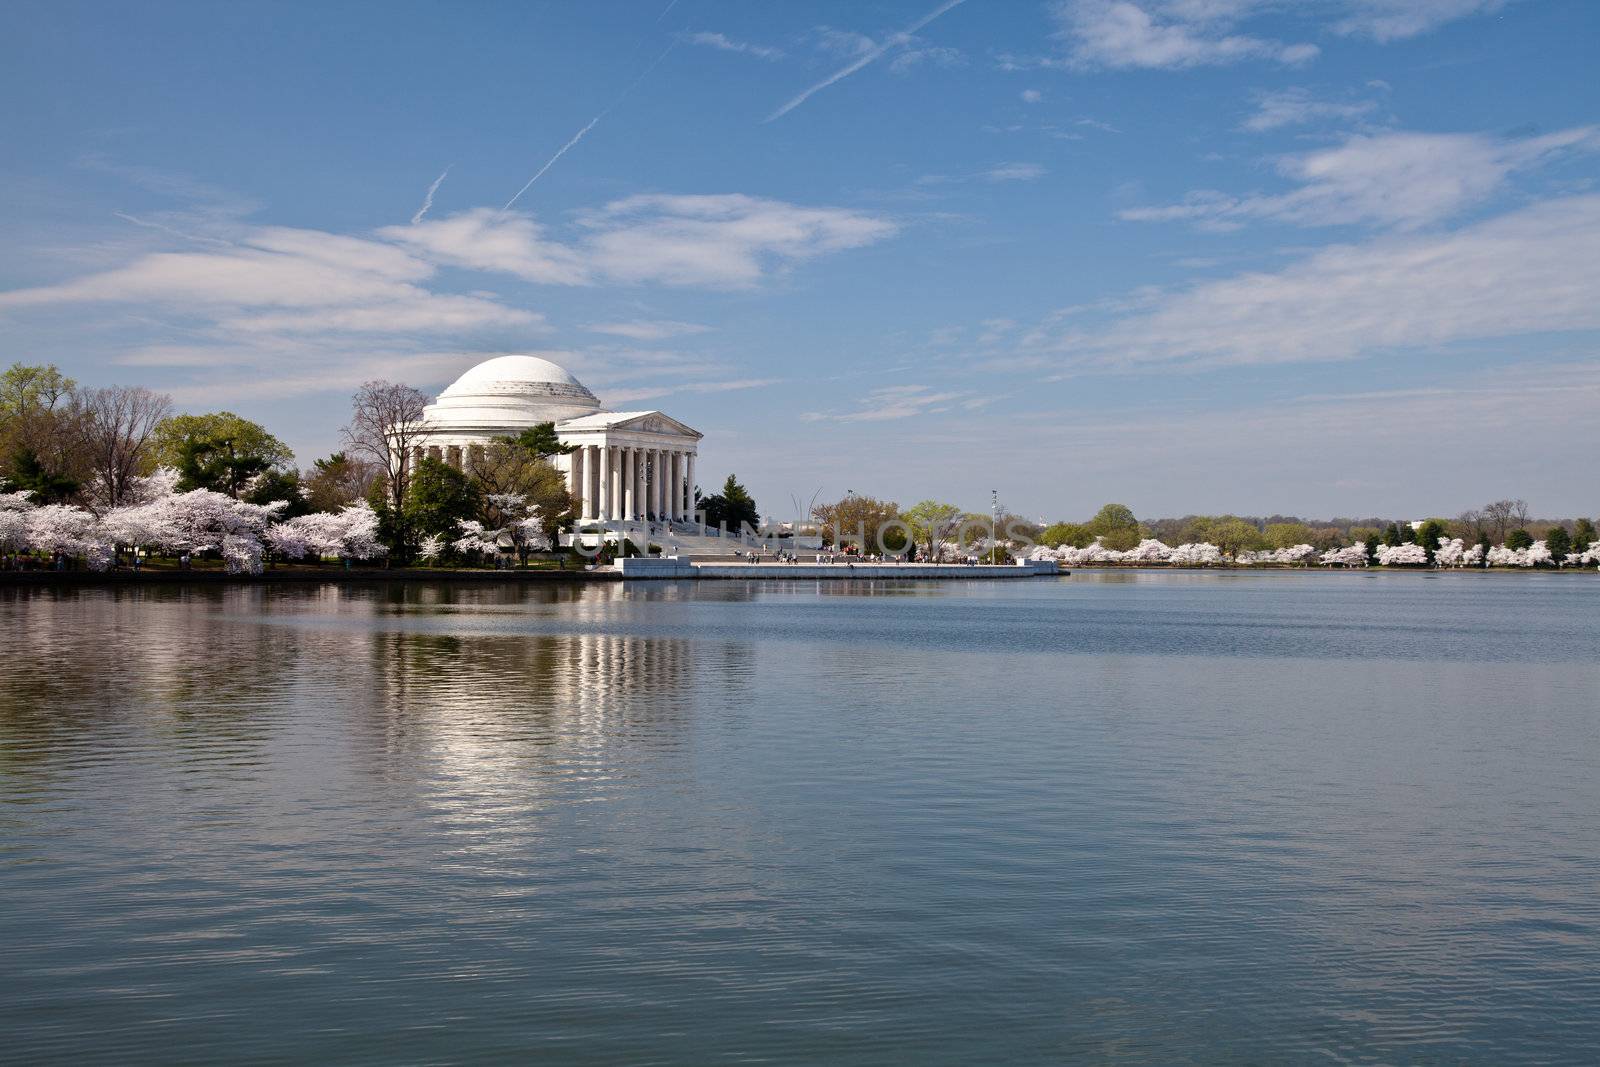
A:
(1119, 817)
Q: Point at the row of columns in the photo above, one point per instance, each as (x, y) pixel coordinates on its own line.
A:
(626, 483)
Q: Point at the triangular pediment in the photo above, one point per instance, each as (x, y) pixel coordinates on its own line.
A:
(637, 421)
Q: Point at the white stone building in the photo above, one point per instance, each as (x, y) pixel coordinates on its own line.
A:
(628, 466)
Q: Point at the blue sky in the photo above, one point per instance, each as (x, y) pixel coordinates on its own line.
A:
(1323, 257)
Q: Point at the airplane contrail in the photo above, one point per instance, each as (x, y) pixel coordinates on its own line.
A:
(559, 153)
(892, 41)
(427, 201)
(579, 135)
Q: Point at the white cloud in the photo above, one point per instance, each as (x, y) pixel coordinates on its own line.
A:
(728, 241)
(1165, 34)
(1014, 172)
(724, 43)
(1031, 96)
(484, 239)
(656, 330)
(1526, 273)
(899, 402)
(1296, 107)
(1392, 20)
(1401, 179)
(933, 56)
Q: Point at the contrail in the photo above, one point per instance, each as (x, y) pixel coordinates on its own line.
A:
(559, 153)
(176, 233)
(670, 5)
(427, 201)
(892, 41)
(592, 122)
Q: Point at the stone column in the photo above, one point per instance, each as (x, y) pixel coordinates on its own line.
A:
(675, 486)
(614, 503)
(641, 507)
(630, 498)
(657, 497)
(575, 480)
(688, 485)
(591, 476)
(603, 512)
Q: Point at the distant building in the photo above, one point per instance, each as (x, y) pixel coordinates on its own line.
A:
(627, 466)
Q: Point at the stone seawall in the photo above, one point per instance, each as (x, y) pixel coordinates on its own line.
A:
(679, 567)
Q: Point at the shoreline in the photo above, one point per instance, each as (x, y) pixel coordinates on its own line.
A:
(726, 572)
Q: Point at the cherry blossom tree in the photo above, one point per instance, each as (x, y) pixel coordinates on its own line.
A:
(430, 548)
(1352, 556)
(1405, 555)
(1197, 554)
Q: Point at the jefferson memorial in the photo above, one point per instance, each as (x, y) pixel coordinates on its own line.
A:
(627, 465)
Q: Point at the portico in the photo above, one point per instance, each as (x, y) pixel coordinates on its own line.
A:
(630, 466)
(626, 466)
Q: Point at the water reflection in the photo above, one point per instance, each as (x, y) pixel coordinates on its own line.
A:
(1118, 818)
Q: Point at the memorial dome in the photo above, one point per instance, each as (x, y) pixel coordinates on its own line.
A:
(508, 393)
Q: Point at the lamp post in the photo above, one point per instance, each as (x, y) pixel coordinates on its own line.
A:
(994, 520)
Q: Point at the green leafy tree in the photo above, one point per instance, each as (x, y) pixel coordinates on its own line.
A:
(1519, 538)
(1559, 542)
(439, 497)
(40, 432)
(1582, 535)
(1288, 534)
(1430, 533)
(1391, 535)
(521, 465)
(27, 471)
(338, 480)
(732, 508)
(1234, 535)
(1075, 534)
(219, 451)
(1116, 527)
(933, 525)
(276, 484)
(861, 521)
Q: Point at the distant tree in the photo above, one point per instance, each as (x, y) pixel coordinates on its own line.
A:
(48, 486)
(338, 480)
(1429, 534)
(1116, 527)
(1057, 534)
(1582, 535)
(1288, 534)
(1372, 545)
(1559, 542)
(1234, 535)
(858, 520)
(439, 498)
(934, 525)
(733, 508)
(385, 423)
(1502, 516)
(221, 451)
(1519, 538)
(1391, 536)
(118, 429)
(40, 441)
(275, 484)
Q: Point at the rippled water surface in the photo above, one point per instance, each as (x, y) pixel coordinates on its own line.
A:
(1138, 818)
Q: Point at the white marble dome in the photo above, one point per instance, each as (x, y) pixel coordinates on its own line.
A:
(506, 394)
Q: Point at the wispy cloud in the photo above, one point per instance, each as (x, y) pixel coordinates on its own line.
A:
(1525, 273)
(1163, 34)
(723, 43)
(654, 330)
(1401, 179)
(871, 54)
(1393, 20)
(899, 402)
(1014, 172)
(427, 200)
(1296, 107)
